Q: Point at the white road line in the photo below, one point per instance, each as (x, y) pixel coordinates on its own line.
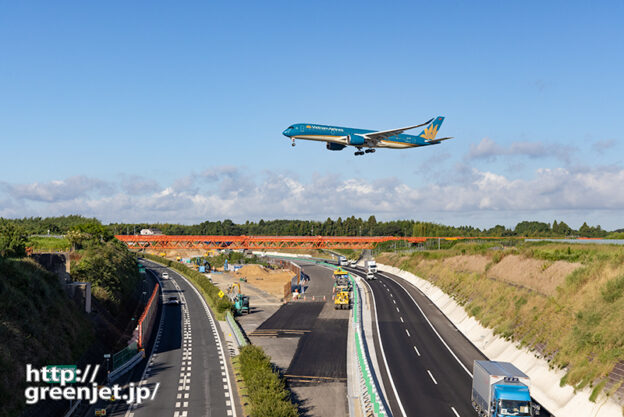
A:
(397, 309)
(401, 319)
(383, 353)
(227, 388)
(431, 325)
(434, 381)
(455, 411)
(407, 331)
(394, 301)
(416, 349)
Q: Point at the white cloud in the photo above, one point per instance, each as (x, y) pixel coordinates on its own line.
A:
(240, 195)
(488, 149)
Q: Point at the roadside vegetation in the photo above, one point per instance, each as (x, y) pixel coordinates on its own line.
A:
(210, 292)
(263, 391)
(578, 325)
(38, 325)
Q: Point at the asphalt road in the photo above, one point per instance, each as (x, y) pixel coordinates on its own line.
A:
(188, 363)
(429, 369)
(428, 379)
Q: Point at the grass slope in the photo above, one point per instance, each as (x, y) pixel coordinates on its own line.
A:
(38, 325)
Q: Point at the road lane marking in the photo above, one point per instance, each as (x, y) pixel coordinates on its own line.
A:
(431, 325)
(401, 319)
(455, 411)
(407, 331)
(397, 309)
(416, 349)
(434, 381)
(383, 353)
(394, 301)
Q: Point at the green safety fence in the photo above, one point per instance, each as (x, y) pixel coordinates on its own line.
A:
(125, 355)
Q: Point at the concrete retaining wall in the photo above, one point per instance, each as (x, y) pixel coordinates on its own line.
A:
(560, 401)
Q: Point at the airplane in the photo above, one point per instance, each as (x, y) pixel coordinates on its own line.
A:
(338, 138)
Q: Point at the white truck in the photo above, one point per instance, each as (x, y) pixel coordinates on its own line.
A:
(371, 266)
(499, 389)
(342, 261)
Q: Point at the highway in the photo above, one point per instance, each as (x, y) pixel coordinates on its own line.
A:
(425, 378)
(426, 363)
(187, 360)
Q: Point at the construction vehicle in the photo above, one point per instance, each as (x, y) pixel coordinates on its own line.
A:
(342, 300)
(240, 301)
(342, 289)
(341, 279)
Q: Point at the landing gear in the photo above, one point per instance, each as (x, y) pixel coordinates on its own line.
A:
(293, 142)
(361, 152)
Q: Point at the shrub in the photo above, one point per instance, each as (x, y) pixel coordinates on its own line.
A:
(613, 289)
(268, 394)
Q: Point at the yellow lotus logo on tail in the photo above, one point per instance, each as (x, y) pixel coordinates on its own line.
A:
(430, 132)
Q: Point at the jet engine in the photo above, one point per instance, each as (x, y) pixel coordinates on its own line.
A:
(356, 140)
(335, 146)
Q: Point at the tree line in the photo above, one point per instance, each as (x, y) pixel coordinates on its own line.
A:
(82, 230)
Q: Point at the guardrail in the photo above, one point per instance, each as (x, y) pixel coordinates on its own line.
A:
(127, 358)
(238, 334)
(370, 399)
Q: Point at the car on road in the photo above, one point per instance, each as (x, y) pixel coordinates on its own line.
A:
(370, 276)
(353, 263)
(173, 300)
(165, 275)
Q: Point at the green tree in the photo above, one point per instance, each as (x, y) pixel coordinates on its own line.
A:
(12, 240)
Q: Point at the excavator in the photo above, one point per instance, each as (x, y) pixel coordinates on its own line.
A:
(240, 301)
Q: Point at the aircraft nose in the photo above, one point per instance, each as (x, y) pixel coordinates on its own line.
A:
(286, 132)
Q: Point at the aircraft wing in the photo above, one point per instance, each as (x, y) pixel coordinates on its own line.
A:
(385, 134)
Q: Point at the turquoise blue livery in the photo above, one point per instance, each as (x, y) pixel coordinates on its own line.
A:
(338, 138)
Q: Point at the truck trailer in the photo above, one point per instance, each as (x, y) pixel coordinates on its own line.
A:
(499, 389)
(371, 266)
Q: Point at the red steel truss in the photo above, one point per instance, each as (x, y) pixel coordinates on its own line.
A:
(257, 242)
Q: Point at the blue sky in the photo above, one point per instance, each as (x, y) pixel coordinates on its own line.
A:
(156, 111)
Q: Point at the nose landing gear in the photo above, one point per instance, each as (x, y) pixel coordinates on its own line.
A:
(293, 142)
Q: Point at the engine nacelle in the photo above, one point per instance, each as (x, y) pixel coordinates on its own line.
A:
(356, 140)
(335, 146)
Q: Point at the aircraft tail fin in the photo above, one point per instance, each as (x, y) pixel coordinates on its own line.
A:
(431, 130)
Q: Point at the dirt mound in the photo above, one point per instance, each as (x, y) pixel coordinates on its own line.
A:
(538, 275)
(272, 281)
(252, 270)
(471, 263)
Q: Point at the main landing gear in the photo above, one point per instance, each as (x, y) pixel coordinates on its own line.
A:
(361, 152)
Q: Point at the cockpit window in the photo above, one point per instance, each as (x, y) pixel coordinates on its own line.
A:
(291, 127)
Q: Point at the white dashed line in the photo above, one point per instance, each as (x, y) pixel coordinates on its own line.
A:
(401, 319)
(407, 331)
(432, 378)
(455, 411)
(397, 309)
(416, 349)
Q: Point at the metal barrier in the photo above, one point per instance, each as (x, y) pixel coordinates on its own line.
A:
(146, 321)
(238, 334)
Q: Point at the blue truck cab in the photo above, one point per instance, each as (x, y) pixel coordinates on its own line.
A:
(499, 389)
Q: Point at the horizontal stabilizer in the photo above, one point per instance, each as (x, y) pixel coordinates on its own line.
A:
(437, 140)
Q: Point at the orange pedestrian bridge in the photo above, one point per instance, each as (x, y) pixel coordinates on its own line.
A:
(157, 242)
